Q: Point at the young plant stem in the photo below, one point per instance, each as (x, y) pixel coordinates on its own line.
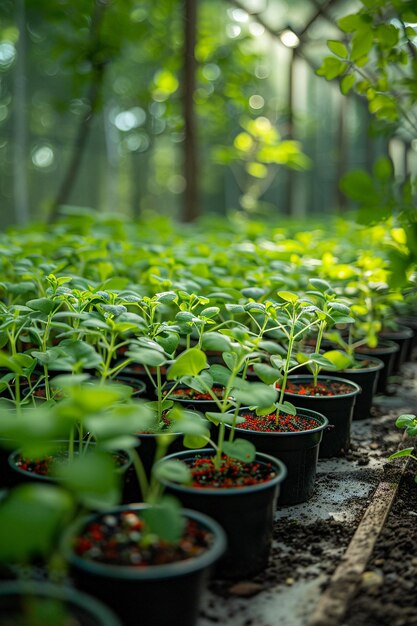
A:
(233, 428)
(140, 473)
(220, 440)
(71, 444)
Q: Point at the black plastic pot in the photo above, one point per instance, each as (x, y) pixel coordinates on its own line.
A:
(403, 337)
(298, 451)
(367, 379)
(137, 372)
(167, 595)
(146, 448)
(338, 409)
(82, 608)
(193, 404)
(246, 514)
(19, 475)
(386, 351)
(411, 322)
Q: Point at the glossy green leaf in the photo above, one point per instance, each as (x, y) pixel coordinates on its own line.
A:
(256, 394)
(266, 373)
(224, 418)
(362, 42)
(340, 360)
(216, 342)
(146, 356)
(188, 363)
(405, 420)
(401, 453)
(347, 83)
(338, 48)
(44, 305)
(288, 296)
(331, 68)
(240, 449)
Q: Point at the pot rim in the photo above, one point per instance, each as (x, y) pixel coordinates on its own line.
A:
(362, 357)
(189, 400)
(385, 346)
(324, 423)
(94, 607)
(356, 389)
(152, 572)
(403, 332)
(221, 491)
(11, 460)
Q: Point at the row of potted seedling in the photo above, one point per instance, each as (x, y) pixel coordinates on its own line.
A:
(250, 441)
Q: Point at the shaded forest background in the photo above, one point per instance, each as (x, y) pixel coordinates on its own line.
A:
(182, 107)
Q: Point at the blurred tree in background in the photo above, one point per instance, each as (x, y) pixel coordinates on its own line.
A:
(177, 106)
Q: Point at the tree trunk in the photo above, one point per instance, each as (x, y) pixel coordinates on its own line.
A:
(190, 198)
(20, 128)
(85, 124)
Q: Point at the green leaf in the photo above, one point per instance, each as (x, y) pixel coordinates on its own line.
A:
(256, 394)
(168, 341)
(270, 346)
(10, 363)
(278, 362)
(216, 342)
(172, 471)
(117, 283)
(210, 311)
(349, 23)
(253, 292)
(319, 360)
(230, 358)
(219, 374)
(124, 419)
(199, 383)
(362, 42)
(288, 296)
(234, 308)
(266, 373)
(224, 418)
(338, 48)
(92, 477)
(358, 185)
(194, 442)
(383, 169)
(401, 453)
(188, 363)
(287, 407)
(114, 309)
(166, 297)
(321, 285)
(25, 360)
(347, 83)
(240, 449)
(331, 68)
(268, 410)
(388, 35)
(44, 305)
(165, 519)
(405, 420)
(147, 356)
(340, 360)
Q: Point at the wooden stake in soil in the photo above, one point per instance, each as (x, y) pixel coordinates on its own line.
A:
(334, 602)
